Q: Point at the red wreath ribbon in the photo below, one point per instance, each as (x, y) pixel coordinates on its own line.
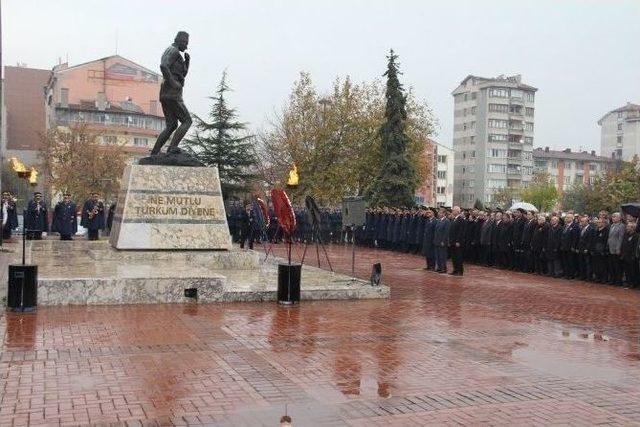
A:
(284, 211)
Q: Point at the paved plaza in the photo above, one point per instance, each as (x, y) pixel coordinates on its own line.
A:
(493, 347)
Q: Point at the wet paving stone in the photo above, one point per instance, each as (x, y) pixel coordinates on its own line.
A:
(490, 348)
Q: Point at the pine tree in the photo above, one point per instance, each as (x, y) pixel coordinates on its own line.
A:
(396, 182)
(223, 142)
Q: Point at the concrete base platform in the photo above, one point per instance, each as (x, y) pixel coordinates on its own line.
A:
(83, 272)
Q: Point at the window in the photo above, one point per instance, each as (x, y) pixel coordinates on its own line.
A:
(471, 169)
(496, 183)
(499, 108)
(619, 126)
(498, 123)
(528, 126)
(528, 111)
(153, 108)
(528, 140)
(527, 155)
(529, 96)
(472, 125)
(568, 165)
(442, 174)
(567, 180)
(472, 139)
(499, 153)
(442, 158)
(515, 109)
(110, 140)
(619, 140)
(440, 190)
(493, 168)
(499, 93)
(465, 97)
(473, 154)
(619, 153)
(64, 97)
(472, 183)
(593, 167)
(619, 114)
(473, 111)
(554, 164)
(140, 142)
(474, 95)
(496, 137)
(516, 93)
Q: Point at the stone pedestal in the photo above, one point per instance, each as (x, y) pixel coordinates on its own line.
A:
(170, 207)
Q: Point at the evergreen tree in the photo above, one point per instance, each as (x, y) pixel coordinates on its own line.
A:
(396, 182)
(223, 142)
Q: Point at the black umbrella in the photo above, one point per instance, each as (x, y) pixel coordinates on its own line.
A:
(632, 209)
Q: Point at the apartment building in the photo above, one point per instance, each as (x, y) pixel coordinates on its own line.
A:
(437, 190)
(567, 168)
(620, 132)
(492, 137)
(112, 96)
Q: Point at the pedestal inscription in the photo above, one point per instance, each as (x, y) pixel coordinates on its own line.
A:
(170, 207)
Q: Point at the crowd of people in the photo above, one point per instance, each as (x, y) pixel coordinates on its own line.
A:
(245, 229)
(603, 248)
(63, 220)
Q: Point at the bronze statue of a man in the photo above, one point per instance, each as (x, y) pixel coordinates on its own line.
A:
(174, 70)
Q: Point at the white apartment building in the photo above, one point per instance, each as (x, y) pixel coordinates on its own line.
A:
(620, 132)
(492, 137)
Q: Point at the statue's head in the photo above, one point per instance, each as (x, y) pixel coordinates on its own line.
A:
(182, 40)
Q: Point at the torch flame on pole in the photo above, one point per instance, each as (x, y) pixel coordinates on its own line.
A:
(33, 176)
(293, 177)
(17, 165)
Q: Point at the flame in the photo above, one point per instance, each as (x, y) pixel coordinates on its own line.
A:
(33, 176)
(293, 176)
(17, 165)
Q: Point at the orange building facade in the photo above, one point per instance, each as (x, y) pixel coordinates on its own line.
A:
(112, 96)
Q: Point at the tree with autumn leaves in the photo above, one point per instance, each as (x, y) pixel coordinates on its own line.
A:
(335, 139)
(75, 161)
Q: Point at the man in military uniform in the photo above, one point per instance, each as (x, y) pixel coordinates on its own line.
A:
(65, 221)
(35, 218)
(174, 70)
(93, 216)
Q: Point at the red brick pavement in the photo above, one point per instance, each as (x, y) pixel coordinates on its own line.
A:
(490, 348)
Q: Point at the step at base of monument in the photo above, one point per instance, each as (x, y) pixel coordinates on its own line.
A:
(98, 274)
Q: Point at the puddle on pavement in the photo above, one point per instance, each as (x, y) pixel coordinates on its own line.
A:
(553, 362)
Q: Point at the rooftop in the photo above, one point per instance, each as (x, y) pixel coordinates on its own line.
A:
(629, 107)
(567, 154)
(507, 81)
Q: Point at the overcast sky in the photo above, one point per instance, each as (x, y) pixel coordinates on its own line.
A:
(583, 56)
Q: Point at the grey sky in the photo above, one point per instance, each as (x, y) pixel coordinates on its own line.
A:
(582, 55)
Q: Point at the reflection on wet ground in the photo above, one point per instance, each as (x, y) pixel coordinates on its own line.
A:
(493, 347)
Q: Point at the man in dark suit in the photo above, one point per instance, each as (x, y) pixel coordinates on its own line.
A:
(457, 240)
(585, 270)
(552, 248)
(516, 240)
(528, 262)
(568, 245)
(486, 230)
(428, 250)
(441, 241)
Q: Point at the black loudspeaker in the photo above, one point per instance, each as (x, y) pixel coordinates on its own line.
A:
(376, 274)
(289, 283)
(22, 292)
(353, 211)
